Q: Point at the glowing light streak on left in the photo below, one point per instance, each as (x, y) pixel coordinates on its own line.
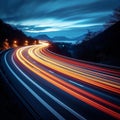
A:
(45, 104)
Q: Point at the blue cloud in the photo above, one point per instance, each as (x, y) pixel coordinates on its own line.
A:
(60, 17)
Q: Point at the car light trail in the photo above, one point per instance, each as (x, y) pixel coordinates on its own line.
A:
(74, 91)
(82, 64)
(67, 71)
(66, 75)
(83, 72)
(78, 68)
(34, 93)
(47, 93)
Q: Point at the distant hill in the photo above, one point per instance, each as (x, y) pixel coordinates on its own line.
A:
(60, 38)
(54, 39)
(11, 33)
(43, 37)
(104, 47)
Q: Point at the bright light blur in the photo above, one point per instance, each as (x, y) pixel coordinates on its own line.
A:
(44, 42)
(15, 43)
(35, 42)
(26, 42)
(38, 53)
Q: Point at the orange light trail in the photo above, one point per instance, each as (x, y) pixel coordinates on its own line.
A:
(77, 68)
(69, 61)
(80, 63)
(67, 87)
(76, 74)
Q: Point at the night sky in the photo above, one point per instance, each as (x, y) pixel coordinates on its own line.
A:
(69, 18)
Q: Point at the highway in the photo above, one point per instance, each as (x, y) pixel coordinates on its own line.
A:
(57, 87)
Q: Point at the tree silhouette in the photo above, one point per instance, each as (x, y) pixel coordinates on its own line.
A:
(12, 33)
(89, 35)
(115, 17)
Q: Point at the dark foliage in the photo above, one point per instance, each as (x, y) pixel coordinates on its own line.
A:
(115, 17)
(11, 33)
(103, 48)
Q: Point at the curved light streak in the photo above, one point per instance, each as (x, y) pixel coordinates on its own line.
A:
(67, 87)
(75, 74)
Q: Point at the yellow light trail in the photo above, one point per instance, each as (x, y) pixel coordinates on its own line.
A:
(61, 60)
(67, 87)
(78, 70)
(80, 63)
(100, 82)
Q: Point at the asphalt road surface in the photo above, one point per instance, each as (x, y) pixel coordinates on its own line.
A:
(57, 87)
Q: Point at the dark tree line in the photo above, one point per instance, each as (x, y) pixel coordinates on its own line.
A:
(101, 47)
(115, 17)
(10, 36)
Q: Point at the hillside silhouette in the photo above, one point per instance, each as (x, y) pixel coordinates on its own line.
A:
(103, 48)
(11, 33)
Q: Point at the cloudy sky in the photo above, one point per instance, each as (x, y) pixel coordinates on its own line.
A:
(69, 18)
